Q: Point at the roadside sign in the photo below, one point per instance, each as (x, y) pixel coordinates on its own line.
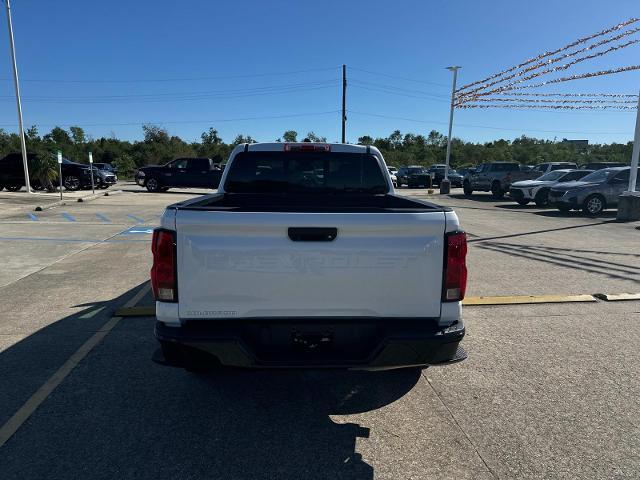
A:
(90, 157)
(59, 157)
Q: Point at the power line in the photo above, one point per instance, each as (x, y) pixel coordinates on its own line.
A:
(482, 126)
(400, 94)
(179, 97)
(187, 79)
(397, 77)
(219, 120)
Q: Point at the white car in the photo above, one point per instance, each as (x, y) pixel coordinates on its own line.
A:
(306, 257)
(538, 190)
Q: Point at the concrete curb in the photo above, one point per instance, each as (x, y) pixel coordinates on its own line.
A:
(93, 196)
(41, 208)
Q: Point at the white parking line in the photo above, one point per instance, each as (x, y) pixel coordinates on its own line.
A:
(91, 313)
(15, 422)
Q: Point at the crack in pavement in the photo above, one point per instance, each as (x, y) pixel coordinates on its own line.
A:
(475, 449)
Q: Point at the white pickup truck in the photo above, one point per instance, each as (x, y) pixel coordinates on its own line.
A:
(305, 257)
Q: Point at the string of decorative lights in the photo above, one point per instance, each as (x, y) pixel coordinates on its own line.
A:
(553, 107)
(612, 95)
(537, 100)
(548, 70)
(612, 71)
(554, 52)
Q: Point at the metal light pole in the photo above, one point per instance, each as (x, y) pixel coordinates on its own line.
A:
(93, 188)
(445, 186)
(23, 144)
(60, 172)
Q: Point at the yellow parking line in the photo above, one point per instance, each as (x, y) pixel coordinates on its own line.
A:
(616, 297)
(143, 311)
(524, 299)
(15, 422)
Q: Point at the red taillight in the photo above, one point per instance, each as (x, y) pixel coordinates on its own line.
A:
(455, 273)
(163, 273)
(306, 147)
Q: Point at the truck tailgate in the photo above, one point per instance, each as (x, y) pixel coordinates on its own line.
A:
(245, 265)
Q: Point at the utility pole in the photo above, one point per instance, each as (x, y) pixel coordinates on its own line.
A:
(629, 201)
(445, 186)
(633, 174)
(344, 104)
(16, 83)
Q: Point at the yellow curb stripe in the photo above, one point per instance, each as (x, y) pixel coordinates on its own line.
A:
(527, 299)
(143, 311)
(15, 422)
(617, 297)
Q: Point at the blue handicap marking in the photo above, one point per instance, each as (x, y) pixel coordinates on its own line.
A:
(103, 218)
(33, 217)
(68, 217)
(138, 230)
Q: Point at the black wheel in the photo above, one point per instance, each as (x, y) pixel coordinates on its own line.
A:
(594, 205)
(1, 187)
(466, 188)
(542, 198)
(13, 188)
(152, 185)
(497, 191)
(71, 183)
(523, 202)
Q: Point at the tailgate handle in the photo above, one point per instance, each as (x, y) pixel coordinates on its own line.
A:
(313, 234)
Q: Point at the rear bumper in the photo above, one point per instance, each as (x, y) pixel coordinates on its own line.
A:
(324, 342)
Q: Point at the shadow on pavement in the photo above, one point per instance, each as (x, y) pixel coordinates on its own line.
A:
(479, 197)
(119, 415)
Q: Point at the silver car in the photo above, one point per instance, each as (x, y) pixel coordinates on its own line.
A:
(592, 194)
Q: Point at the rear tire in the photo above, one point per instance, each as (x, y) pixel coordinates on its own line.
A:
(594, 205)
(496, 191)
(466, 188)
(542, 198)
(71, 183)
(13, 188)
(152, 185)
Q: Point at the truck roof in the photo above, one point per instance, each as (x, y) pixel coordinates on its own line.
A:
(280, 147)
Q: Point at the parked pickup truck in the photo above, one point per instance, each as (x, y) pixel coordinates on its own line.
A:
(181, 172)
(306, 257)
(496, 178)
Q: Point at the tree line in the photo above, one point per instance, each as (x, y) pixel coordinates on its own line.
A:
(158, 147)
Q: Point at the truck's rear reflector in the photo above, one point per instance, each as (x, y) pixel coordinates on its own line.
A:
(163, 273)
(455, 273)
(306, 147)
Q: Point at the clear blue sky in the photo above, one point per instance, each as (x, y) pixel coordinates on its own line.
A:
(188, 65)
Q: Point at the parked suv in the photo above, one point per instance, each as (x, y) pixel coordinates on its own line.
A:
(182, 172)
(543, 168)
(538, 190)
(495, 177)
(594, 193)
(414, 176)
(74, 175)
(600, 165)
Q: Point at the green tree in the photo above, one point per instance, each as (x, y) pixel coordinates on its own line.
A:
(315, 138)
(211, 137)
(290, 136)
(77, 134)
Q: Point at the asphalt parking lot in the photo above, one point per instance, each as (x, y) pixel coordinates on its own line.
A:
(548, 391)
